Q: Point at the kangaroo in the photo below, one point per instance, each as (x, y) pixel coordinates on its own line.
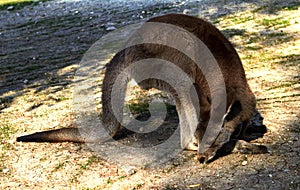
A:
(240, 100)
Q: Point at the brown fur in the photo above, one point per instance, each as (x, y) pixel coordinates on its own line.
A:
(228, 60)
(237, 88)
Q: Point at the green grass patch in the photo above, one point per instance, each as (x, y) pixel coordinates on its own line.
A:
(137, 108)
(6, 101)
(284, 85)
(254, 38)
(109, 181)
(266, 39)
(59, 166)
(273, 8)
(75, 178)
(233, 32)
(253, 48)
(291, 7)
(278, 97)
(236, 18)
(259, 9)
(18, 4)
(241, 19)
(292, 59)
(143, 107)
(60, 98)
(6, 130)
(277, 41)
(277, 23)
(88, 163)
(276, 34)
(284, 40)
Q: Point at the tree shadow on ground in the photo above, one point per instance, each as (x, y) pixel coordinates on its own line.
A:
(39, 48)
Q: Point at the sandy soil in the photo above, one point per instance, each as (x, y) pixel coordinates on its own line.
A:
(40, 54)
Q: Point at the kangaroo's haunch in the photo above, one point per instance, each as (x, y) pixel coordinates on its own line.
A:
(239, 102)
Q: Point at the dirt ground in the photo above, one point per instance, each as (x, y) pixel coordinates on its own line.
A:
(39, 58)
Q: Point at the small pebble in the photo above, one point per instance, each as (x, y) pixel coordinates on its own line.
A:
(6, 170)
(186, 11)
(10, 8)
(110, 24)
(222, 14)
(244, 163)
(129, 170)
(286, 170)
(111, 28)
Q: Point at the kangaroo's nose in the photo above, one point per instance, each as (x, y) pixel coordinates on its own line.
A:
(201, 159)
(205, 157)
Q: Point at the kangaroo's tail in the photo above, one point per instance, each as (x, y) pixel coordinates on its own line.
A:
(58, 135)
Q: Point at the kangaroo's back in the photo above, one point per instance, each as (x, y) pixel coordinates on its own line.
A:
(240, 99)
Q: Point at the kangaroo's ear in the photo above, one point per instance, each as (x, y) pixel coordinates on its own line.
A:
(234, 109)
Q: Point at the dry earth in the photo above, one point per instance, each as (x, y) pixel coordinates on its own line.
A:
(38, 62)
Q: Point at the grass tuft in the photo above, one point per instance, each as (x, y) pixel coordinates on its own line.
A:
(5, 131)
(277, 23)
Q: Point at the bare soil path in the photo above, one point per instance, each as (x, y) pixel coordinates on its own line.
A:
(42, 45)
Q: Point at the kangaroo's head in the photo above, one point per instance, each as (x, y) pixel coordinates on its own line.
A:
(231, 122)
